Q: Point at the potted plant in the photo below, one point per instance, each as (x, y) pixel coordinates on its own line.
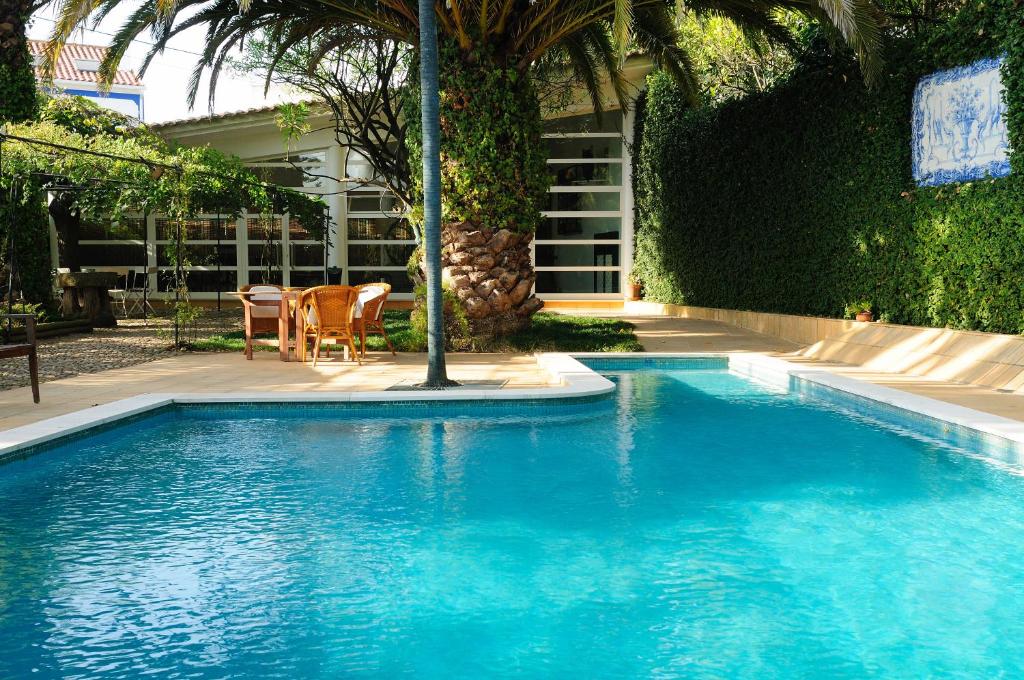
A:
(633, 287)
(861, 311)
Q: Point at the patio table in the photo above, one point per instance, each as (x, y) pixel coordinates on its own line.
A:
(283, 340)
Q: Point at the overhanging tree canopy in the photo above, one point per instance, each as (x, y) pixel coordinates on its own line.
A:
(131, 169)
(493, 173)
(107, 167)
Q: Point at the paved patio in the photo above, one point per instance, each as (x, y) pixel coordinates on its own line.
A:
(669, 334)
(230, 372)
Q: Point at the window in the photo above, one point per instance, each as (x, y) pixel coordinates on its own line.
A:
(380, 239)
(305, 170)
(105, 244)
(87, 65)
(210, 247)
(577, 251)
(279, 250)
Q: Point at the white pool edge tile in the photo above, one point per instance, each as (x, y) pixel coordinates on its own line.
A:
(972, 419)
(17, 438)
(569, 379)
(777, 372)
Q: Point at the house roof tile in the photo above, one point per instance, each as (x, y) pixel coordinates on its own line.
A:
(68, 68)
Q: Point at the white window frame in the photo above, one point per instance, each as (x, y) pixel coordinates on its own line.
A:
(373, 215)
(620, 189)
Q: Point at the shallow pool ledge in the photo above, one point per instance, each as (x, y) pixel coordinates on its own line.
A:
(569, 379)
(992, 429)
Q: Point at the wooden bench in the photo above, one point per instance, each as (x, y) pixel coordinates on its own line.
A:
(25, 349)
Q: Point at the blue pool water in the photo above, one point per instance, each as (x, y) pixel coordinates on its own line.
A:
(695, 524)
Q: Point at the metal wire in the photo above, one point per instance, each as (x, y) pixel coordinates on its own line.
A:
(10, 254)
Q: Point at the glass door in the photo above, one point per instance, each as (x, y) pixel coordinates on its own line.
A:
(577, 251)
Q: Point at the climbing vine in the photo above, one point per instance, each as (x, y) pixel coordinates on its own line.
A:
(493, 165)
(18, 100)
(110, 167)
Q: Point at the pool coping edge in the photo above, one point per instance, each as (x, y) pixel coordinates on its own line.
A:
(778, 371)
(570, 379)
(981, 422)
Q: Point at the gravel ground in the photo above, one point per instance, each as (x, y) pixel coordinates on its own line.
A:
(132, 342)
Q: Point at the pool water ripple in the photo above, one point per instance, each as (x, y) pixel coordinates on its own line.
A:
(695, 524)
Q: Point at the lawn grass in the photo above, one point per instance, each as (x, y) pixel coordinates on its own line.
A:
(548, 333)
(558, 333)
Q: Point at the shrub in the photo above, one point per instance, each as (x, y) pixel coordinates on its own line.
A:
(456, 326)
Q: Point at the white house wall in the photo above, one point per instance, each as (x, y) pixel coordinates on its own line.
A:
(255, 137)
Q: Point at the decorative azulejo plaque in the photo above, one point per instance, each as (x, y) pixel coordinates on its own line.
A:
(959, 127)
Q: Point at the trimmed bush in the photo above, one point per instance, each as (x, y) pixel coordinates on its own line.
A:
(801, 200)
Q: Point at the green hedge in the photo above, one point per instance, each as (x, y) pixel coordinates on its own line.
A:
(801, 200)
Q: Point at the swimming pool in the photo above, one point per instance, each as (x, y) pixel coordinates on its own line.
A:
(695, 523)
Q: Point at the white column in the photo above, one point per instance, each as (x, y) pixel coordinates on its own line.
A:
(52, 230)
(153, 275)
(286, 250)
(242, 250)
(337, 255)
(626, 252)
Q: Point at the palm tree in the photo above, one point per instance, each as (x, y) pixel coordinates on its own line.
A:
(493, 169)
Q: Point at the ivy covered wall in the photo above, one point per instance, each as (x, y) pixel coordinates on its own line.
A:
(25, 214)
(801, 200)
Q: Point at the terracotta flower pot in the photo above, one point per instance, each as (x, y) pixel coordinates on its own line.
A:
(865, 316)
(632, 291)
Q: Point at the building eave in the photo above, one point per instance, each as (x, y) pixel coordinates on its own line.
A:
(86, 85)
(252, 121)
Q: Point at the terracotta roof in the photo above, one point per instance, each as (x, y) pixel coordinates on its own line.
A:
(68, 69)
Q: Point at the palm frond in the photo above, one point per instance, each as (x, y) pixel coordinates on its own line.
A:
(622, 25)
(859, 22)
(655, 34)
(593, 35)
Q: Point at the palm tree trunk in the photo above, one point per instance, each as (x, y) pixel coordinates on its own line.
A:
(494, 172)
(18, 100)
(437, 374)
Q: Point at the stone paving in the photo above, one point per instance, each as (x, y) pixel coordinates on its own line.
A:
(134, 341)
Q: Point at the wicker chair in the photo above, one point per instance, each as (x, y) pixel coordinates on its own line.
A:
(329, 312)
(371, 321)
(262, 310)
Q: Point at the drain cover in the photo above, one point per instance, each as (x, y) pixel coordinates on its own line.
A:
(414, 386)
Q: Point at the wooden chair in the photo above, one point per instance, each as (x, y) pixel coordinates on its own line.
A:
(328, 314)
(371, 320)
(262, 310)
(25, 349)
